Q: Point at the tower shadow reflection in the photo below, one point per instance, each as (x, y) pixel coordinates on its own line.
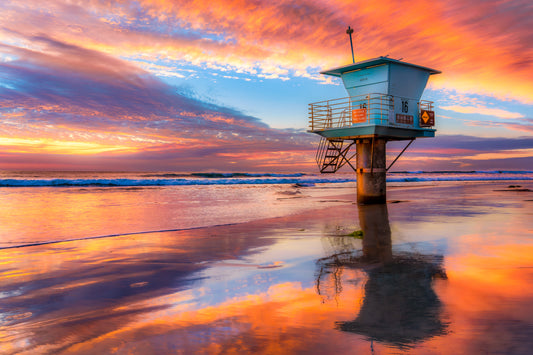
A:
(400, 307)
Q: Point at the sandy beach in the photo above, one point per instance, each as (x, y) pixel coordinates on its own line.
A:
(444, 267)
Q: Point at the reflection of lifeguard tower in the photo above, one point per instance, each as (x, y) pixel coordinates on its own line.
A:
(383, 104)
(400, 307)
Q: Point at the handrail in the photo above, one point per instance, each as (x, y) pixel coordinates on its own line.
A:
(363, 109)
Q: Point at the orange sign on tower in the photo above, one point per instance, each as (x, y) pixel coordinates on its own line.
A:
(359, 115)
(427, 118)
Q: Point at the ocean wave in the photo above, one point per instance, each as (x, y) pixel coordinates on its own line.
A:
(459, 178)
(164, 182)
(300, 179)
(459, 172)
(220, 175)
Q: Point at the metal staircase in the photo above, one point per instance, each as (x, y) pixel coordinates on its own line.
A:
(330, 155)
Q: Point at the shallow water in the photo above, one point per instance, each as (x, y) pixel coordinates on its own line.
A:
(440, 269)
(43, 214)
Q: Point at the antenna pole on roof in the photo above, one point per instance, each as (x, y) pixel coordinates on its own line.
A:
(349, 31)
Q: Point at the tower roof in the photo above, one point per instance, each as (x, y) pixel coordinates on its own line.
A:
(371, 63)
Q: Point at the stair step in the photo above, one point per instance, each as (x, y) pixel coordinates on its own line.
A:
(329, 155)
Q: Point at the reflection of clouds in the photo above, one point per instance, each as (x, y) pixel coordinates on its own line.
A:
(116, 280)
(487, 296)
(244, 323)
(165, 317)
(152, 293)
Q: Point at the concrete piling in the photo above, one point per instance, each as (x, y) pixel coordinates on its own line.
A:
(371, 171)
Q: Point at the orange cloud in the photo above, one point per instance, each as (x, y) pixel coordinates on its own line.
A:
(42, 145)
(479, 47)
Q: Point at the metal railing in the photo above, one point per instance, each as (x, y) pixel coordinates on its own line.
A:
(369, 109)
(375, 109)
(425, 105)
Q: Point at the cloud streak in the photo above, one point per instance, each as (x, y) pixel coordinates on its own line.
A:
(108, 105)
(459, 152)
(483, 111)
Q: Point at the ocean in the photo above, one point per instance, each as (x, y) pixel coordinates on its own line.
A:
(110, 179)
(46, 207)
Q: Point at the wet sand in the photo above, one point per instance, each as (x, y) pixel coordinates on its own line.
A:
(442, 268)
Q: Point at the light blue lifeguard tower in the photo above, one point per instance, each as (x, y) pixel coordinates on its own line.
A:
(383, 104)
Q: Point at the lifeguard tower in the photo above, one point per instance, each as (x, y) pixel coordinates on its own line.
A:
(383, 104)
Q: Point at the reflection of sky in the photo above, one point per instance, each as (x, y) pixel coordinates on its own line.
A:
(277, 264)
(252, 287)
(32, 215)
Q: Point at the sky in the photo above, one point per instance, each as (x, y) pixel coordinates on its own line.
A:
(224, 85)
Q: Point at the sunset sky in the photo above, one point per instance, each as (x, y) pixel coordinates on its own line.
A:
(223, 85)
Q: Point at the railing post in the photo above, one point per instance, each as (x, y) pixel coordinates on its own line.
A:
(381, 108)
(336, 112)
(368, 109)
(312, 119)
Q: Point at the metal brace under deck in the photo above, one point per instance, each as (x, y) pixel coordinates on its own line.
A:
(404, 149)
